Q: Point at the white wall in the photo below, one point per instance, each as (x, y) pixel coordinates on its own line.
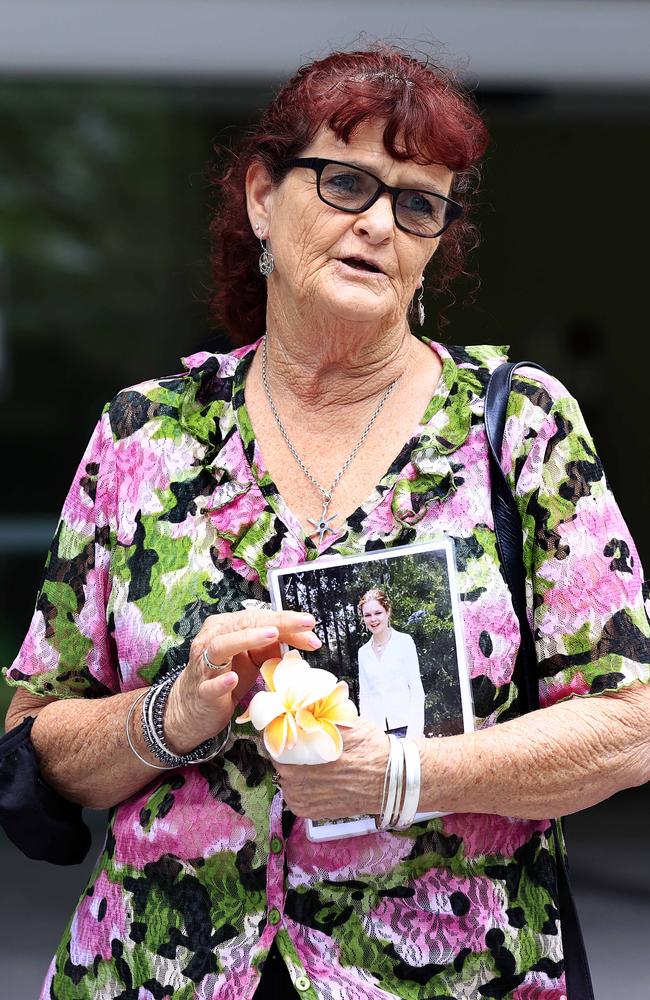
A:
(500, 42)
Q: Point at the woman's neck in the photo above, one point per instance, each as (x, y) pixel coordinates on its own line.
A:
(322, 367)
(380, 640)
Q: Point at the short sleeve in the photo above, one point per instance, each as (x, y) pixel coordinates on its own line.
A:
(67, 650)
(585, 582)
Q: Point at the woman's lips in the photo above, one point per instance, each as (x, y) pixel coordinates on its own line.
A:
(359, 273)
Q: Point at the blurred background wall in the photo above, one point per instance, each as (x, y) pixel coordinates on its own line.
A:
(109, 112)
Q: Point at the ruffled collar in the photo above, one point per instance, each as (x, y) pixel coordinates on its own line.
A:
(255, 529)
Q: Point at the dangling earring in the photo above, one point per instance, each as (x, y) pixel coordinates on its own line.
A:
(266, 261)
(421, 303)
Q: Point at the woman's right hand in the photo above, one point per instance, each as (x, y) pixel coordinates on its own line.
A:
(201, 702)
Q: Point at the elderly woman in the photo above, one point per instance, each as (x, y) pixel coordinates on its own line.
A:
(390, 687)
(331, 428)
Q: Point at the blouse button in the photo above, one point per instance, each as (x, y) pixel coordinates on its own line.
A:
(274, 916)
(276, 845)
(302, 983)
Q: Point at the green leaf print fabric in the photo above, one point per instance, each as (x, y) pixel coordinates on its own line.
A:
(173, 516)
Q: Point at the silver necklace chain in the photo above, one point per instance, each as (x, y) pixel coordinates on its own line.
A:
(323, 525)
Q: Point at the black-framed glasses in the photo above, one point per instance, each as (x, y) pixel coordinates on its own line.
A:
(351, 189)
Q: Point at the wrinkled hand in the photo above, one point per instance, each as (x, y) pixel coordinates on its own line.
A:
(350, 786)
(200, 702)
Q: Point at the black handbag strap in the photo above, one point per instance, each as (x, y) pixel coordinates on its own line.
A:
(507, 526)
(510, 541)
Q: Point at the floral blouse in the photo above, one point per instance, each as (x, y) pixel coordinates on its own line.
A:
(171, 517)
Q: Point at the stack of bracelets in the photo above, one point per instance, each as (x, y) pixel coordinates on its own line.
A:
(401, 794)
(154, 701)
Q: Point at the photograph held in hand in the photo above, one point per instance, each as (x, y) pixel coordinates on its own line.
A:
(391, 628)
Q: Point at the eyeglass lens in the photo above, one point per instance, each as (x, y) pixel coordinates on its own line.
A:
(350, 189)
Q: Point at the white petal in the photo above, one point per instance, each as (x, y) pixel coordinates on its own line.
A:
(267, 670)
(300, 685)
(264, 707)
(311, 748)
(275, 736)
(307, 721)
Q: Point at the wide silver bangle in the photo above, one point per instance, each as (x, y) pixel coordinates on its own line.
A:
(384, 792)
(392, 784)
(399, 790)
(411, 798)
(127, 725)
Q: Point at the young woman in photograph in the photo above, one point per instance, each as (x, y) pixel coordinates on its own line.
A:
(390, 687)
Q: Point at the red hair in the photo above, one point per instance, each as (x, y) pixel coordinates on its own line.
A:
(375, 595)
(428, 119)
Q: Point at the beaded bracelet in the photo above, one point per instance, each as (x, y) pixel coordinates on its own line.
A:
(152, 719)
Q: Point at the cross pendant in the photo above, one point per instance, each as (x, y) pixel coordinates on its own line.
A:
(323, 525)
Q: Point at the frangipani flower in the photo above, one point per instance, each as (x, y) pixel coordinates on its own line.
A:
(300, 711)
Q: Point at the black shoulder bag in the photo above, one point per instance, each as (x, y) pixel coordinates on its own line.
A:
(508, 529)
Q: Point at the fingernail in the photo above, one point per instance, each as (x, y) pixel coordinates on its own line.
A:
(314, 642)
(308, 620)
(230, 679)
(270, 633)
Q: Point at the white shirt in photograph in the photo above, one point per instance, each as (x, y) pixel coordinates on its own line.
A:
(390, 689)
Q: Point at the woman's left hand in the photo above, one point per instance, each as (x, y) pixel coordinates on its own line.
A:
(350, 786)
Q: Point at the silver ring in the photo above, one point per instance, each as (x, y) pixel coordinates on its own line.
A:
(219, 667)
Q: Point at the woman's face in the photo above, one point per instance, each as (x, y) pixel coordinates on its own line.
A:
(310, 240)
(375, 617)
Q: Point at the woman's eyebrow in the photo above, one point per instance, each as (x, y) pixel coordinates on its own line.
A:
(412, 185)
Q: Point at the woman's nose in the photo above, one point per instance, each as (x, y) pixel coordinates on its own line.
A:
(377, 222)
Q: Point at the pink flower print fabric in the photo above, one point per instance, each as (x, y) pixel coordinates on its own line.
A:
(172, 517)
